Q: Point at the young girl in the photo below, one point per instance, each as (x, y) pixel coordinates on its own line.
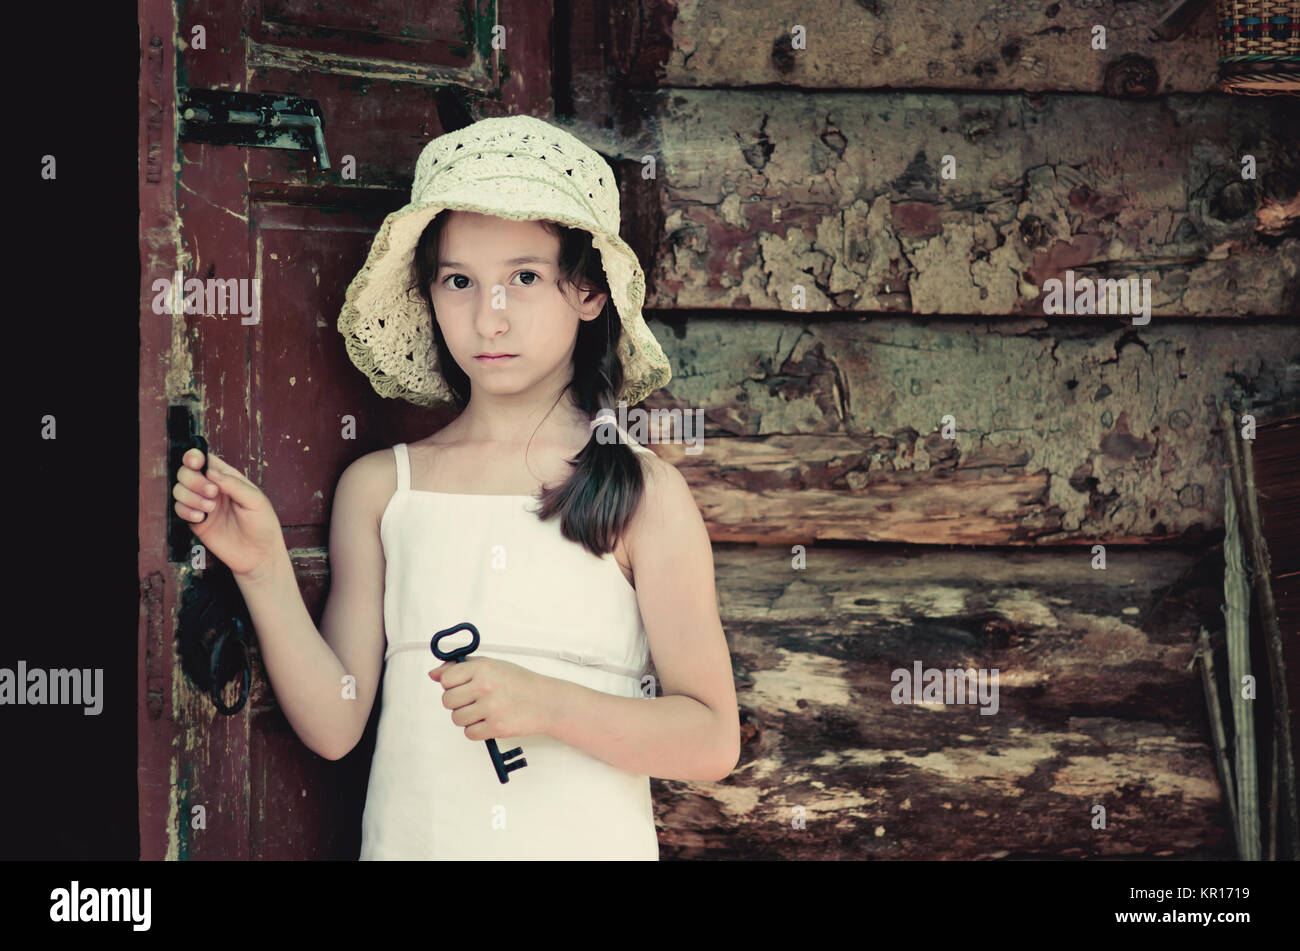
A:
(502, 288)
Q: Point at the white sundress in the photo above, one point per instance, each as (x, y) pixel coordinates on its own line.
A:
(537, 600)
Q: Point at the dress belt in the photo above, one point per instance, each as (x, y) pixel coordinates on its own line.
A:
(586, 660)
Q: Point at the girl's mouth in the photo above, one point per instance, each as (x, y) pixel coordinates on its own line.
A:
(495, 358)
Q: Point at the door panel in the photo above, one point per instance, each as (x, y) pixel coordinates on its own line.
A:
(303, 382)
(422, 33)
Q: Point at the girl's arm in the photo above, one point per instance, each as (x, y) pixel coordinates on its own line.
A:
(310, 669)
(692, 732)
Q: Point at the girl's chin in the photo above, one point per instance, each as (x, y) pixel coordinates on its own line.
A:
(500, 387)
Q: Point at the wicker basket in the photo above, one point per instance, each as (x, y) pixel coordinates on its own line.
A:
(1259, 47)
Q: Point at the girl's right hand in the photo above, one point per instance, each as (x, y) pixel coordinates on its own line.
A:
(230, 515)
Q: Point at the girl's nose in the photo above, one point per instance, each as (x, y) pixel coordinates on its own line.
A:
(493, 312)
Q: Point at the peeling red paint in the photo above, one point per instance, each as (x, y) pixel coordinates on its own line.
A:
(1058, 257)
(915, 219)
(1096, 204)
(725, 241)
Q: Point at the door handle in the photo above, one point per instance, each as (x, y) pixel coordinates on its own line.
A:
(264, 120)
(212, 636)
(213, 626)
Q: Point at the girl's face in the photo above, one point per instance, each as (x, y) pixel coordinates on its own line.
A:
(495, 292)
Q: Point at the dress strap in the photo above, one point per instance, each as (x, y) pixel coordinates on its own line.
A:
(403, 466)
(585, 660)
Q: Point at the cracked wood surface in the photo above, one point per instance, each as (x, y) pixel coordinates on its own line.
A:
(842, 195)
(1064, 433)
(1097, 706)
(958, 44)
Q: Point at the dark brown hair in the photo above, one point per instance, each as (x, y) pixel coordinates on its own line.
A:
(598, 499)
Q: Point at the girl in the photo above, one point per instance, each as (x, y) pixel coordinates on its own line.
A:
(502, 288)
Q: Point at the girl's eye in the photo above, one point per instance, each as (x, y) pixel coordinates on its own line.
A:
(450, 277)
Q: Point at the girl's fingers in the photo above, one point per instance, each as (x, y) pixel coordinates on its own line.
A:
(231, 482)
(197, 483)
(220, 466)
(192, 499)
(189, 514)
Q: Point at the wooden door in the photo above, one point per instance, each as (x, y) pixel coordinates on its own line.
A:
(271, 397)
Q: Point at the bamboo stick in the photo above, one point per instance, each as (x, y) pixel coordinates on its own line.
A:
(1206, 654)
(1241, 468)
(1236, 596)
(1272, 806)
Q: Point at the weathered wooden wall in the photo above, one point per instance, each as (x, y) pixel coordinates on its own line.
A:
(842, 194)
(1097, 707)
(1065, 432)
(995, 44)
(820, 167)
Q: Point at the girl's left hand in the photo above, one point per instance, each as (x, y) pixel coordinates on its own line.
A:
(494, 698)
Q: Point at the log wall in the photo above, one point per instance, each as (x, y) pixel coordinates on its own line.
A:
(831, 300)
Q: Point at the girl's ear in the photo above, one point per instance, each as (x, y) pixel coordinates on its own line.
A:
(591, 303)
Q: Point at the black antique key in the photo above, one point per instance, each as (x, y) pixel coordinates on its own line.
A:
(499, 760)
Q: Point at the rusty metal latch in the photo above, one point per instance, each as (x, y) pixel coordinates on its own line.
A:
(265, 120)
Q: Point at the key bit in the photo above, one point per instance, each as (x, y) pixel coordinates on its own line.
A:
(500, 761)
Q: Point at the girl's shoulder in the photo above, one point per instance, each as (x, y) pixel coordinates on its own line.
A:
(667, 516)
(664, 488)
(376, 467)
(369, 480)
(662, 472)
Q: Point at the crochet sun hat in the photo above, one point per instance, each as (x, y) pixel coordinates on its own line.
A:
(519, 168)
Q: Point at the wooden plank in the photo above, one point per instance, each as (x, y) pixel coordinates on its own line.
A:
(380, 29)
(841, 195)
(1096, 706)
(1078, 434)
(955, 44)
(523, 67)
(210, 751)
(159, 249)
(308, 253)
